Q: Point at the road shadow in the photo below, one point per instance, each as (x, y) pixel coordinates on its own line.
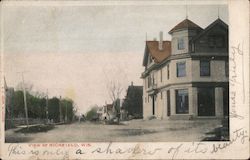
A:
(220, 133)
(35, 129)
(23, 134)
(135, 132)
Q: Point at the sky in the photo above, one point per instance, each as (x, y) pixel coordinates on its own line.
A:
(75, 51)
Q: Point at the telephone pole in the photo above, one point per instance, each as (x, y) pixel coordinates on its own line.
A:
(25, 102)
(60, 110)
(66, 114)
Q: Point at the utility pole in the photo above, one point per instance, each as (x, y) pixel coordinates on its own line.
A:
(25, 103)
(66, 114)
(60, 110)
(47, 108)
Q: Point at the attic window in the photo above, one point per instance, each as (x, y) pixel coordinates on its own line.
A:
(180, 44)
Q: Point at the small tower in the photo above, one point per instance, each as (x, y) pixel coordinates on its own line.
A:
(181, 34)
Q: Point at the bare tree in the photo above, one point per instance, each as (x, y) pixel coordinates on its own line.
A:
(115, 84)
(114, 90)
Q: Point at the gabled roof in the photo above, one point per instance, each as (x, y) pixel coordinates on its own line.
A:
(152, 48)
(185, 24)
(109, 106)
(133, 88)
(216, 22)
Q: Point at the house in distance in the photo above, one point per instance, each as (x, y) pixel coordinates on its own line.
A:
(187, 77)
(132, 103)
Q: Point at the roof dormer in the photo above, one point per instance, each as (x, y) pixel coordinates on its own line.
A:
(181, 34)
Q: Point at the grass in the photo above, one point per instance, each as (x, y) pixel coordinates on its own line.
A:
(36, 129)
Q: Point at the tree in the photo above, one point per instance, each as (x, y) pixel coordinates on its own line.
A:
(18, 104)
(67, 109)
(92, 113)
(36, 105)
(54, 109)
(114, 90)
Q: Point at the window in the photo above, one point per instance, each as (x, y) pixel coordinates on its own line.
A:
(180, 43)
(181, 69)
(227, 68)
(181, 101)
(168, 71)
(204, 68)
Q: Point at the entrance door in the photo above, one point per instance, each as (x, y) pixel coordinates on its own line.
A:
(168, 103)
(182, 101)
(206, 104)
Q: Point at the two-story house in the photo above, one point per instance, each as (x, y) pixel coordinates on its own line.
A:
(187, 77)
(133, 101)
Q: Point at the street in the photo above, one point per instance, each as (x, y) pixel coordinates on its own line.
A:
(130, 131)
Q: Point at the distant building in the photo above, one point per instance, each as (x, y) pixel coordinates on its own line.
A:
(106, 112)
(110, 112)
(123, 114)
(187, 76)
(133, 101)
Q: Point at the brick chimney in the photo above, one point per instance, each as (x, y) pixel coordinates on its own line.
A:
(161, 41)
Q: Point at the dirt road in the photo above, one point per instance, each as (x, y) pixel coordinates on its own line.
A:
(131, 131)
